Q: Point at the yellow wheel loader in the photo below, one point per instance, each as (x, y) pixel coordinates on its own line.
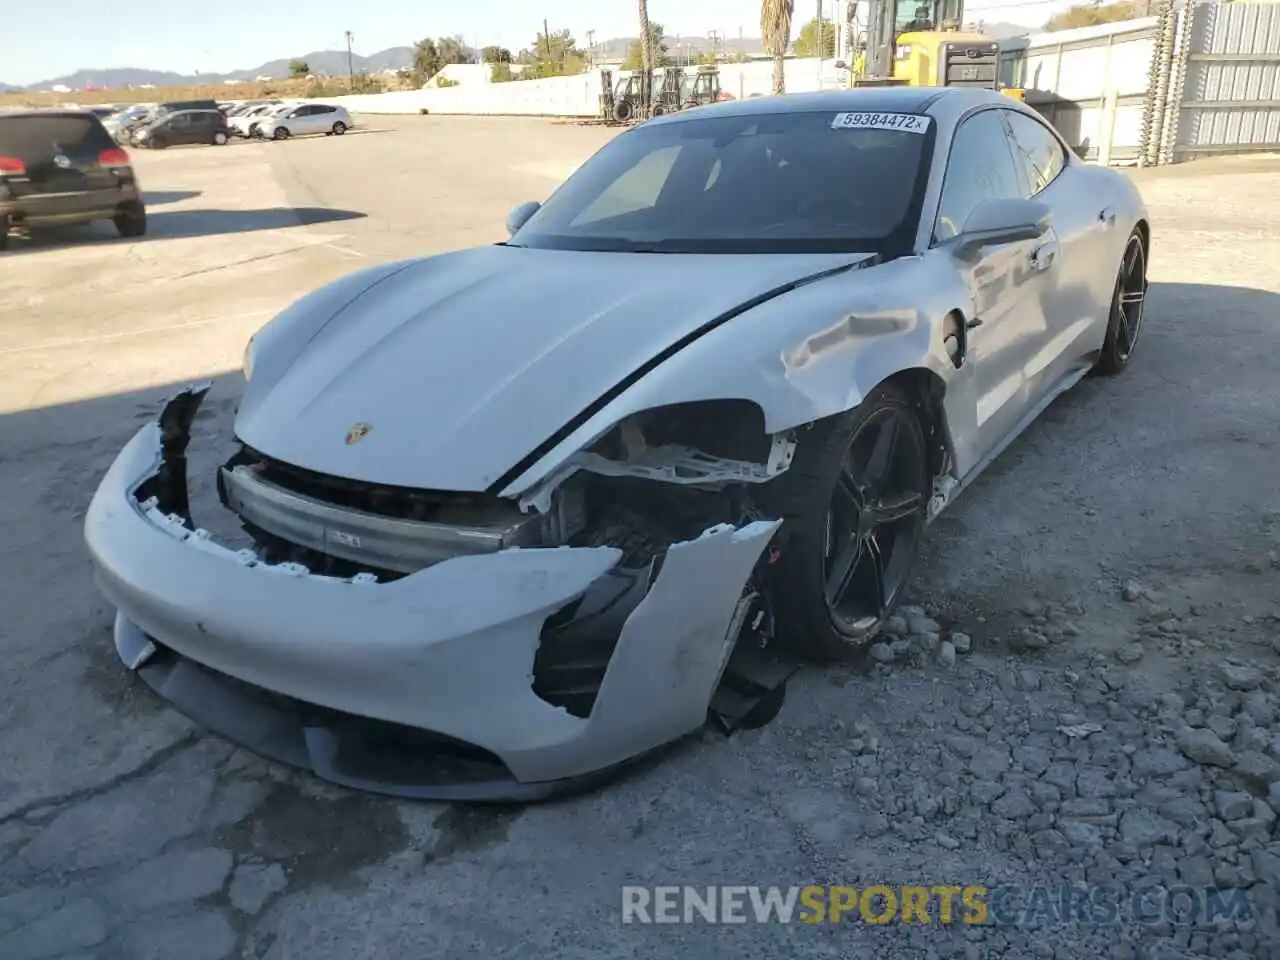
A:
(919, 43)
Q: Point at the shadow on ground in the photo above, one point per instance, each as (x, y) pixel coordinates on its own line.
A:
(157, 198)
(177, 224)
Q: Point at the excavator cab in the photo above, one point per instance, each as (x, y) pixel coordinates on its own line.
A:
(920, 43)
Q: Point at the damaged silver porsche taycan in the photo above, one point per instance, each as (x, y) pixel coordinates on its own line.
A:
(523, 513)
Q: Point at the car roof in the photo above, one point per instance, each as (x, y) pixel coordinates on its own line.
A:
(49, 113)
(858, 99)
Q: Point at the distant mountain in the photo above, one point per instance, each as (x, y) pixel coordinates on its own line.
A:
(332, 62)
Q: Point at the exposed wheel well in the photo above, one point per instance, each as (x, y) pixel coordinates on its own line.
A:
(927, 389)
(1144, 231)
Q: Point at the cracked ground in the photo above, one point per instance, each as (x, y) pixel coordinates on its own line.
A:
(1084, 689)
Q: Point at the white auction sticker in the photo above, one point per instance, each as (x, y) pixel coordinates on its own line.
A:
(907, 122)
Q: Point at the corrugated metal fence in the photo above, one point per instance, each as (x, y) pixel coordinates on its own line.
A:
(1224, 91)
(1200, 77)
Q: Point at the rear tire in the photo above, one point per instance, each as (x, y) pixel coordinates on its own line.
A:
(280, 134)
(623, 111)
(131, 221)
(219, 139)
(339, 128)
(1128, 303)
(840, 572)
(4, 233)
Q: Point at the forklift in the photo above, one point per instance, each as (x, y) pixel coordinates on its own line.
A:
(919, 43)
(675, 90)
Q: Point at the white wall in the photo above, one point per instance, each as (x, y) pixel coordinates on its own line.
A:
(1069, 74)
(576, 96)
(1074, 69)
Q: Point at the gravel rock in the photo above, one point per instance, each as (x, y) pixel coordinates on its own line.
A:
(1203, 746)
(1232, 805)
(1133, 591)
(880, 653)
(946, 654)
(1258, 769)
(1238, 677)
(1130, 653)
(1142, 828)
(961, 641)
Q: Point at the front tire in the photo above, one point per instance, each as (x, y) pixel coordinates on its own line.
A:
(131, 221)
(853, 504)
(1128, 301)
(4, 233)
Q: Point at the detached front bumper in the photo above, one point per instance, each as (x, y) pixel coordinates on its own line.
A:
(320, 672)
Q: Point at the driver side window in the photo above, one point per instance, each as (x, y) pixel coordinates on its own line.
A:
(980, 167)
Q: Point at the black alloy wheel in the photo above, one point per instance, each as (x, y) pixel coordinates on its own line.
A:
(874, 521)
(1127, 308)
(854, 504)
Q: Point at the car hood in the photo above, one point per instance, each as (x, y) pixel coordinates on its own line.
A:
(458, 366)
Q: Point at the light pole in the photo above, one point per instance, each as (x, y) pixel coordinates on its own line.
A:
(351, 74)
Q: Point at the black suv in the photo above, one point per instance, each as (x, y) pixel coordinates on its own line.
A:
(184, 126)
(173, 106)
(61, 166)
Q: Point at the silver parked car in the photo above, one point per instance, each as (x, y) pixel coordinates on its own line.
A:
(301, 119)
(531, 510)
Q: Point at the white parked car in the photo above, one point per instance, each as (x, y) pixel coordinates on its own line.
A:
(305, 118)
(242, 124)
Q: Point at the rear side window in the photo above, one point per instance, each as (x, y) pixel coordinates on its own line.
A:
(1036, 150)
(41, 138)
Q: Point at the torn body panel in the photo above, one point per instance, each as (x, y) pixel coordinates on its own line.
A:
(809, 354)
(285, 660)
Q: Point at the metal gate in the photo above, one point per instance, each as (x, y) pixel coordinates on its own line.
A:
(1215, 81)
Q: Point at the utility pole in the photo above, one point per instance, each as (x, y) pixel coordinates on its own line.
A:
(820, 51)
(546, 36)
(591, 49)
(351, 74)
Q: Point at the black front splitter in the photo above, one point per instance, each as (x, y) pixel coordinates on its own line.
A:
(353, 751)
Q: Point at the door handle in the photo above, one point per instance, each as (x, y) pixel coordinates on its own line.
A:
(1107, 217)
(1042, 257)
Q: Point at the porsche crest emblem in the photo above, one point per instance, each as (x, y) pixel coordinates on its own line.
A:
(358, 433)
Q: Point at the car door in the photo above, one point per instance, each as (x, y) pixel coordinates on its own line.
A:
(1006, 321)
(201, 127)
(1077, 292)
(303, 120)
(170, 130)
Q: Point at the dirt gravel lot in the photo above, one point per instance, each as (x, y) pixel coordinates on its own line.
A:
(1114, 722)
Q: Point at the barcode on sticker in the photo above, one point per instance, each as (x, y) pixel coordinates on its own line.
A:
(908, 122)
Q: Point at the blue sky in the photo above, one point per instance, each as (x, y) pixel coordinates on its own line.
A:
(55, 38)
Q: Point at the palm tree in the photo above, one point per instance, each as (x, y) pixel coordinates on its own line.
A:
(646, 59)
(775, 28)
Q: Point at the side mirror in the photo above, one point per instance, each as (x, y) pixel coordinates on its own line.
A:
(1004, 221)
(518, 217)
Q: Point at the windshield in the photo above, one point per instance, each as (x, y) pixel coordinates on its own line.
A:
(757, 183)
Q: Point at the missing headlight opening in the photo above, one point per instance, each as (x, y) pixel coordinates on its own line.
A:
(661, 477)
